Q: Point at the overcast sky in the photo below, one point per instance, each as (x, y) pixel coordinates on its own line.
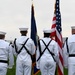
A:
(17, 13)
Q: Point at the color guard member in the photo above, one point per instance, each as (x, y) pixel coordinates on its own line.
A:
(47, 54)
(24, 48)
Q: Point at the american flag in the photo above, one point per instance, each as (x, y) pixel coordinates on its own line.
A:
(56, 25)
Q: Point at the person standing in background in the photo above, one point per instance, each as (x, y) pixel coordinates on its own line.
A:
(6, 55)
(69, 53)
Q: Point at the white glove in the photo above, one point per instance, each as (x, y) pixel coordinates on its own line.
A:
(10, 67)
(37, 65)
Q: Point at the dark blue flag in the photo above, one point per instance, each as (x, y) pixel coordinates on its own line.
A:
(33, 27)
(34, 37)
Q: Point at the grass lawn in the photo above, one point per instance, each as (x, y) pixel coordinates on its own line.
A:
(65, 71)
(12, 71)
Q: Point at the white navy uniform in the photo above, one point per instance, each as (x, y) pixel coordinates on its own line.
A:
(5, 55)
(24, 62)
(46, 63)
(69, 57)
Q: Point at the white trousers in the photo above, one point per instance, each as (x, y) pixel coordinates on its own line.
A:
(47, 67)
(3, 68)
(71, 66)
(22, 68)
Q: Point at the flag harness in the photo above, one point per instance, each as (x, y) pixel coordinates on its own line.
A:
(70, 55)
(23, 46)
(46, 47)
(67, 45)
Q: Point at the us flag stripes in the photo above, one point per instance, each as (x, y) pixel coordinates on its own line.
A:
(56, 25)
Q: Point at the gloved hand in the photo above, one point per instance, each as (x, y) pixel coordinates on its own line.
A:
(37, 65)
(10, 67)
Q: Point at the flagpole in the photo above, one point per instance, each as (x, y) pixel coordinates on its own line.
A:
(32, 2)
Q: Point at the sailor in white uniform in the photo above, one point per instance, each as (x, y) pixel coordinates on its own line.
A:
(5, 55)
(47, 54)
(69, 53)
(24, 48)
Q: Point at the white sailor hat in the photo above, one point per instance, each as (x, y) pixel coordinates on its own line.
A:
(23, 28)
(2, 33)
(47, 30)
(73, 27)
